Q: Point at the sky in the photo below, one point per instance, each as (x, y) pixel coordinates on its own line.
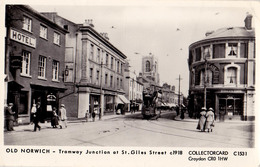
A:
(164, 29)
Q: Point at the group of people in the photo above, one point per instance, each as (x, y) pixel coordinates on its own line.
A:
(206, 121)
(59, 119)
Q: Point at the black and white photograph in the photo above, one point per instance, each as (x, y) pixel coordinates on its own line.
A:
(149, 83)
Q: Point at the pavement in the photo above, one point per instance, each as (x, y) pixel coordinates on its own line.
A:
(74, 121)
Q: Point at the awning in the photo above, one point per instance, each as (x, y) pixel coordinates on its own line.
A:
(121, 99)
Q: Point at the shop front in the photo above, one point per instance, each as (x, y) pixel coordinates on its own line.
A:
(47, 97)
(229, 106)
(109, 104)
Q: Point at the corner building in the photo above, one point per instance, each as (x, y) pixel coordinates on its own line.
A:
(223, 64)
(34, 61)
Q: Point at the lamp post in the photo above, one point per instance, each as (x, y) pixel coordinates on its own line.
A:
(179, 94)
(100, 108)
(206, 55)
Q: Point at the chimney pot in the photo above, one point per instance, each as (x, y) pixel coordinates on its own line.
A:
(248, 22)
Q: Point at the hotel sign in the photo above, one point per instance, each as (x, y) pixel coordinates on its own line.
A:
(22, 38)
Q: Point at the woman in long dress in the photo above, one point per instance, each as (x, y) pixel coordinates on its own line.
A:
(202, 120)
(210, 120)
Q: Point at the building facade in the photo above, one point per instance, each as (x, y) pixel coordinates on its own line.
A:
(34, 61)
(222, 72)
(95, 70)
(134, 91)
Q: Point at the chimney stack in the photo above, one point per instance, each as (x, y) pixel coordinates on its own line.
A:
(88, 22)
(248, 22)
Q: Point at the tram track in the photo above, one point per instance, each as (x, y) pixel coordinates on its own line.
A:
(190, 136)
(167, 126)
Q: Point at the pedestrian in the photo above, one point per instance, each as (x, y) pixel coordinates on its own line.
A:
(36, 117)
(94, 114)
(33, 111)
(182, 113)
(63, 116)
(202, 120)
(9, 117)
(210, 120)
(55, 118)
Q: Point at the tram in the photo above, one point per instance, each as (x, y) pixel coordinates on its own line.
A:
(152, 105)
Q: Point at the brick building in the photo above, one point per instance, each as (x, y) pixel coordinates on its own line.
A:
(34, 61)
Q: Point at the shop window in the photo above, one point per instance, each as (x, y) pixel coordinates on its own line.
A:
(232, 50)
(43, 31)
(218, 51)
(26, 59)
(56, 38)
(27, 23)
(23, 107)
(42, 67)
(55, 70)
(147, 66)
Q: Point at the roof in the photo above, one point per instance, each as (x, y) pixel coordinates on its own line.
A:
(228, 33)
(100, 37)
(35, 13)
(232, 32)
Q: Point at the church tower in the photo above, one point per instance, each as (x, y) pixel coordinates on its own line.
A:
(150, 68)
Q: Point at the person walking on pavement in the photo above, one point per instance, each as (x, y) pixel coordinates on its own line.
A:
(94, 113)
(210, 120)
(36, 117)
(63, 116)
(9, 117)
(202, 120)
(33, 111)
(55, 118)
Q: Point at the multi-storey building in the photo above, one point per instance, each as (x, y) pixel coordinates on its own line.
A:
(34, 61)
(134, 90)
(222, 72)
(95, 69)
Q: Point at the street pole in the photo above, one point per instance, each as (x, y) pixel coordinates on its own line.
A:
(100, 109)
(132, 95)
(179, 93)
(205, 84)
